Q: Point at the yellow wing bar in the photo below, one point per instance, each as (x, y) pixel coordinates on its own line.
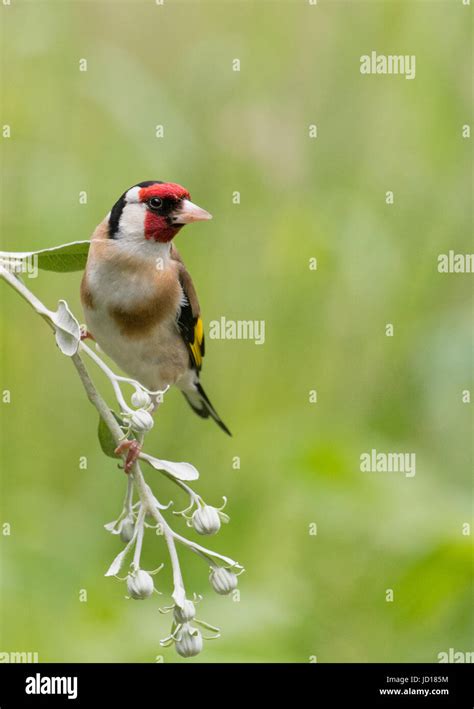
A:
(196, 345)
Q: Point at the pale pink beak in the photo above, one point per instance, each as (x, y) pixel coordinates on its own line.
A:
(190, 212)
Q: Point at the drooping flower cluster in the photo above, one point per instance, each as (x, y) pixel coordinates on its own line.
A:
(186, 631)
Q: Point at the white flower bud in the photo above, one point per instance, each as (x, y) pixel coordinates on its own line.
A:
(140, 399)
(141, 421)
(189, 642)
(222, 580)
(140, 585)
(127, 530)
(206, 520)
(186, 613)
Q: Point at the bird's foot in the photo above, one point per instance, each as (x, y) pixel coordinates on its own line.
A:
(85, 334)
(133, 449)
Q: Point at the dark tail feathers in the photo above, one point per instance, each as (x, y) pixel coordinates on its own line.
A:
(200, 403)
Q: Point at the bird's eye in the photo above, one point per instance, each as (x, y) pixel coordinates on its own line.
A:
(155, 203)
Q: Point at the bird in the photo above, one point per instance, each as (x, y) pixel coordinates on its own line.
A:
(139, 301)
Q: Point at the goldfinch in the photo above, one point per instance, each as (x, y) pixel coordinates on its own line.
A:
(139, 301)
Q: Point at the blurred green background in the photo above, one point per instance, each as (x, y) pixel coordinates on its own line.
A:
(247, 131)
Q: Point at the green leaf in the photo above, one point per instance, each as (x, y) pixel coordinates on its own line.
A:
(63, 258)
(106, 440)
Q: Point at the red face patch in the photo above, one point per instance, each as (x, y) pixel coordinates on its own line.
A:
(157, 228)
(156, 225)
(168, 190)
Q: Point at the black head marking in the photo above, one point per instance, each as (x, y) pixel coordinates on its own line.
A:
(117, 209)
(149, 183)
(115, 215)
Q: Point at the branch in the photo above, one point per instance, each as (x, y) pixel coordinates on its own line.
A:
(131, 523)
(96, 399)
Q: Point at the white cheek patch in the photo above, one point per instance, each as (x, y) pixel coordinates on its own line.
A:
(132, 221)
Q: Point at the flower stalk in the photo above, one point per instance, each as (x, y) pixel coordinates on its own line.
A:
(131, 524)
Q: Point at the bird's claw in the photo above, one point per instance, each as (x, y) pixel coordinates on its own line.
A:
(85, 334)
(133, 449)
